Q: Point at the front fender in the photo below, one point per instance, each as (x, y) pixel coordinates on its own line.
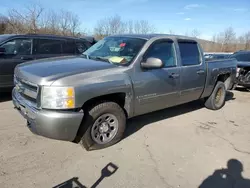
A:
(104, 85)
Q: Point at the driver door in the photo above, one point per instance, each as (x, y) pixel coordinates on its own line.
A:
(157, 89)
(17, 51)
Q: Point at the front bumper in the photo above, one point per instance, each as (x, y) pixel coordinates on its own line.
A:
(51, 124)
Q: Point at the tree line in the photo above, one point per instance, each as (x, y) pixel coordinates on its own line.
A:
(36, 19)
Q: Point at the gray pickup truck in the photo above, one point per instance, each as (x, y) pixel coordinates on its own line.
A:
(87, 99)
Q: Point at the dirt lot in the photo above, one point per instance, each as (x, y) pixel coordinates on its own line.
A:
(178, 147)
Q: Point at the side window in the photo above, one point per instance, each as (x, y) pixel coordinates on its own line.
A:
(189, 52)
(80, 47)
(69, 47)
(18, 47)
(164, 50)
(49, 46)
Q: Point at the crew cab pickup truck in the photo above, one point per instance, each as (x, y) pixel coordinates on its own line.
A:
(87, 99)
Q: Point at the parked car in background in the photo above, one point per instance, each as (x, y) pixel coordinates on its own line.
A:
(90, 97)
(243, 68)
(16, 49)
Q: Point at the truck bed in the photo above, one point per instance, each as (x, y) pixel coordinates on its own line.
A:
(225, 66)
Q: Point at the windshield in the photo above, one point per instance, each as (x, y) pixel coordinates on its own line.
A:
(116, 50)
(242, 57)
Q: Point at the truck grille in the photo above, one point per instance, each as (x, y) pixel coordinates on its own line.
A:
(26, 89)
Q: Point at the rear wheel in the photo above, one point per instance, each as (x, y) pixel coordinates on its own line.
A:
(105, 124)
(218, 97)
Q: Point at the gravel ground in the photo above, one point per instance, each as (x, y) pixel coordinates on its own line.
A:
(177, 147)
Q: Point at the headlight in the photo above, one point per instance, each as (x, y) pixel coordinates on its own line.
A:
(58, 97)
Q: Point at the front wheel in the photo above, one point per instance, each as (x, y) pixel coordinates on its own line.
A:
(218, 97)
(105, 124)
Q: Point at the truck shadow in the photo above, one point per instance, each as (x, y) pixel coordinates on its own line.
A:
(107, 171)
(5, 96)
(136, 123)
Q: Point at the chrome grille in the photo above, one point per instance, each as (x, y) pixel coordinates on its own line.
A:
(26, 89)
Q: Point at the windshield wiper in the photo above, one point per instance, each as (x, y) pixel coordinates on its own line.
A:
(100, 58)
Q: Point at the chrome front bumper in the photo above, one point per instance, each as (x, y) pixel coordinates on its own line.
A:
(48, 123)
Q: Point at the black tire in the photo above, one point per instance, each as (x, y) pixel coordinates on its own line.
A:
(211, 102)
(92, 115)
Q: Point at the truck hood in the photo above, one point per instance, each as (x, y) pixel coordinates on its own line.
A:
(45, 71)
(242, 64)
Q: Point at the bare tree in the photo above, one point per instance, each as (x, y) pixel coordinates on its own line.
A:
(74, 24)
(143, 27)
(110, 26)
(51, 23)
(3, 24)
(247, 41)
(102, 28)
(227, 41)
(68, 22)
(35, 19)
(130, 26)
(26, 21)
(195, 33)
(115, 25)
(228, 38)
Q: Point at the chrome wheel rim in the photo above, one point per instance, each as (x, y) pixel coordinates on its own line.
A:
(104, 128)
(218, 96)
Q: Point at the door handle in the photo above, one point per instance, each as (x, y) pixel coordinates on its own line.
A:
(200, 72)
(174, 76)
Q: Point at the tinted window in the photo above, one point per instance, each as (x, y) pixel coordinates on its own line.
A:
(242, 57)
(189, 52)
(80, 47)
(18, 47)
(48, 46)
(163, 50)
(69, 47)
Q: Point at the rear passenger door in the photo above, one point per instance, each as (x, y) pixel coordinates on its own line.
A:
(45, 48)
(193, 75)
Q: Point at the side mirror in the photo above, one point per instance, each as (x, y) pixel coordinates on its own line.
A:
(2, 50)
(152, 63)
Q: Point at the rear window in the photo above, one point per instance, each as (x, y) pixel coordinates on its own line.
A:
(189, 52)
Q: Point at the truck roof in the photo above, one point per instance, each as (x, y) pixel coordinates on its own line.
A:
(149, 36)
